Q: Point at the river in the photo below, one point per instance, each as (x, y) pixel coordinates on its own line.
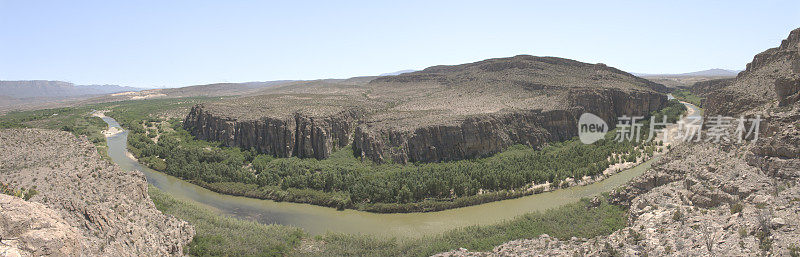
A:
(318, 220)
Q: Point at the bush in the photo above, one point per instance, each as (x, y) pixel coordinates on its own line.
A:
(25, 194)
(736, 208)
(794, 251)
(677, 215)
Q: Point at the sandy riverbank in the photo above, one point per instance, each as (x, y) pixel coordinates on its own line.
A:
(111, 131)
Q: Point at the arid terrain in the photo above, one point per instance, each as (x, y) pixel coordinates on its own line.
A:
(712, 199)
(687, 80)
(85, 205)
(481, 158)
(400, 129)
(441, 113)
(36, 94)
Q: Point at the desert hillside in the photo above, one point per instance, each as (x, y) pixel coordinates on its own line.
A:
(441, 113)
(772, 75)
(84, 206)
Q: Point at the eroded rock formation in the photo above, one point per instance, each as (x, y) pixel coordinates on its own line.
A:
(442, 113)
(773, 74)
(297, 134)
(86, 206)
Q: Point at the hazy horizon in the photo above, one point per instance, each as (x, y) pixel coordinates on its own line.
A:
(193, 43)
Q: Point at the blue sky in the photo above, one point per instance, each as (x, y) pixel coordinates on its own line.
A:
(180, 43)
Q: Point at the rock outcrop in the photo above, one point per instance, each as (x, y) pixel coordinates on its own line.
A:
(704, 87)
(442, 113)
(772, 76)
(297, 134)
(86, 206)
(484, 135)
(31, 228)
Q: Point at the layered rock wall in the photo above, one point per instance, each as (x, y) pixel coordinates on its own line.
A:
(484, 135)
(296, 135)
(442, 113)
(474, 136)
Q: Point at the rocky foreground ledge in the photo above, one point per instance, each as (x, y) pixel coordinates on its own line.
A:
(86, 206)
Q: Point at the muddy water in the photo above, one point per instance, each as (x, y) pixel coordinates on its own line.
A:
(318, 220)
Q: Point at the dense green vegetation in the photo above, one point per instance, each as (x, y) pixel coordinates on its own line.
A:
(217, 235)
(686, 96)
(76, 120)
(578, 220)
(80, 122)
(344, 181)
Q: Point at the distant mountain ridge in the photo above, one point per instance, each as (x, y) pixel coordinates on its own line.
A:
(397, 72)
(56, 89)
(702, 73)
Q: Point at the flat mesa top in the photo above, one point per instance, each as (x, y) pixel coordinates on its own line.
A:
(438, 94)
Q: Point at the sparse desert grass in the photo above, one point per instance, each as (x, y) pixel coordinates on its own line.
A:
(23, 193)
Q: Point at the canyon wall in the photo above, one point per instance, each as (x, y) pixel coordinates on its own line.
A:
(298, 135)
(474, 136)
(441, 113)
(484, 135)
(772, 75)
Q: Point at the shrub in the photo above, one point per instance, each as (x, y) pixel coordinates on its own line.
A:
(677, 215)
(736, 208)
(742, 232)
(794, 251)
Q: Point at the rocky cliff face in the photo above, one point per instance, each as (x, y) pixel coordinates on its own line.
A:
(773, 75)
(85, 205)
(484, 135)
(477, 136)
(704, 87)
(298, 134)
(442, 113)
